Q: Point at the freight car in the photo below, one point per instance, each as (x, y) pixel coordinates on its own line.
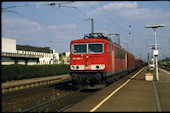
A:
(96, 61)
(139, 63)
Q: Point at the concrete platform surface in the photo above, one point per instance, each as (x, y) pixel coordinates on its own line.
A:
(130, 94)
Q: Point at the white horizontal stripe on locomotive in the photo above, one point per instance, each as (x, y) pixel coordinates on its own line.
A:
(88, 67)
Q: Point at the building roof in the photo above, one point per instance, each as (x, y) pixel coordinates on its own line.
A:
(35, 49)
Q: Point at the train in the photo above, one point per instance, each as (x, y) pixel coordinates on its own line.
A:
(139, 63)
(96, 61)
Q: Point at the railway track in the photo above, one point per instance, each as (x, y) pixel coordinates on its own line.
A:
(41, 107)
(55, 97)
(32, 90)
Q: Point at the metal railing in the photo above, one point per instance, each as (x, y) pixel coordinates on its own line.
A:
(5, 54)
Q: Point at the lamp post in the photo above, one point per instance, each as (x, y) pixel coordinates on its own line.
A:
(50, 48)
(155, 51)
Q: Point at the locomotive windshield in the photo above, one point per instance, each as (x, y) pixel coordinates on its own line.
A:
(79, 48)
(95, 48)
(87, 48)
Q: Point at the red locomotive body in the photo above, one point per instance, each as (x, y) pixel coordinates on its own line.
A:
(96, 62)
(131, 62)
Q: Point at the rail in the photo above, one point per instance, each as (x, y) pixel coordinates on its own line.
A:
(34, 107)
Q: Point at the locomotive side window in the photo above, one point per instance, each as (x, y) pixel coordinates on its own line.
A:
(79, 48)
(108, 48)
(95, 48)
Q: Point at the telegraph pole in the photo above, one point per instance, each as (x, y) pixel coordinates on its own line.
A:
(92, 26)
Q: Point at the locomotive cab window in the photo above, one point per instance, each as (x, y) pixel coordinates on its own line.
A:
(79, 48)
(108, 48)
(95, 48)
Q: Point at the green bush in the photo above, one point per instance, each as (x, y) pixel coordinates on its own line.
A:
(18, 72)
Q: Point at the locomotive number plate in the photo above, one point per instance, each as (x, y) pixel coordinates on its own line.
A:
(77, 58)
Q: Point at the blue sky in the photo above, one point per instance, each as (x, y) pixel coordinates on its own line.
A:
(38, 23)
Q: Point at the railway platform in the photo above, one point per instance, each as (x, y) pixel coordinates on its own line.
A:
(26, 83)
(132, 93)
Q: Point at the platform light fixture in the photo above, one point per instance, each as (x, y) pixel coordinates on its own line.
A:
(152, 45)
(155, 26)
(155, 51)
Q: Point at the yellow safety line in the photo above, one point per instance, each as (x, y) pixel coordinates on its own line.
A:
(104, 100)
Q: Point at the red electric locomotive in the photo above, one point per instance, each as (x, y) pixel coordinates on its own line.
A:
(96, 61)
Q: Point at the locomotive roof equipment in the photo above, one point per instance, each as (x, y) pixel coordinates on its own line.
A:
(97, 35)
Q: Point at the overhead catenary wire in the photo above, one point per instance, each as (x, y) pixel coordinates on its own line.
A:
(114, 23)
(40, 22)
(124, 21)
(101, 21)
(27, 17)
(88, 17)
(96, 18)
(68, 17)
(118, 26)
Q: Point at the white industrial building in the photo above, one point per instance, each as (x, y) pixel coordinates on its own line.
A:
(25, 54)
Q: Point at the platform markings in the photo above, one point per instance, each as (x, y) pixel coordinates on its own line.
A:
(164, 71)
(158, 104)
(104, 100)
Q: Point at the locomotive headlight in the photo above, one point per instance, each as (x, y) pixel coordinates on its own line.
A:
(102, 67)
(72, 67)
(97, 67)
(77, 67)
